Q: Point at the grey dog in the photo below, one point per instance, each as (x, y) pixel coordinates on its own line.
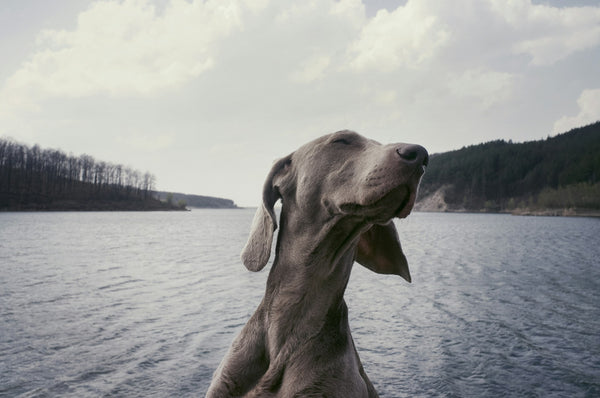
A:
(339, 195)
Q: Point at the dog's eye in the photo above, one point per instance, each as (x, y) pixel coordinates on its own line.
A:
(342, 141)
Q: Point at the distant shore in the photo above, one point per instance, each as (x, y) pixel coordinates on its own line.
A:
(96, 205)
(518, 212)
(437, 203)
(557, 212)
(556, 176)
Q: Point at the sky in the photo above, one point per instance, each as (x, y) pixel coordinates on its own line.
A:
(205, 95)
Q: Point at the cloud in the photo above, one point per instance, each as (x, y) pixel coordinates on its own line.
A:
(589, 112)
(405, 37)
(127, 49)
(131, 48)
(312, 69)
(548, 34)
(485, 87)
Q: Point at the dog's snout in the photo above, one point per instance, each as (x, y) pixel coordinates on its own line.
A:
(413, 154)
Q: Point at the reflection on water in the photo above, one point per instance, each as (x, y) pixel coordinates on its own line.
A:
(146, 304)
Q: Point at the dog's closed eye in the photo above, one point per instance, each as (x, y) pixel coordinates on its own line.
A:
(343, 141)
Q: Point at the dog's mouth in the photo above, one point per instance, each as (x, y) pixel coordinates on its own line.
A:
(401, 199)
(397, 202)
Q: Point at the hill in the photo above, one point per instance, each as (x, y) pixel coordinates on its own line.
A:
(559, 175)
(196, 200)
(32, 178)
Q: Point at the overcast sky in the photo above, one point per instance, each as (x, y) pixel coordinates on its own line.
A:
(207, 94)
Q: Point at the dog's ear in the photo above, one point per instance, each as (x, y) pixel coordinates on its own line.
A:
(379, 250)
(258, 248)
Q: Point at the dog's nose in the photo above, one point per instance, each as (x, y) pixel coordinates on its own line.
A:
(413, 154)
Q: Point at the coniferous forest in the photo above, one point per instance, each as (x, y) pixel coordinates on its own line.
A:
(32, 178)
(558, 175)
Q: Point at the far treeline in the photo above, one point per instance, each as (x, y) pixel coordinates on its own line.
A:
(195, 200)
(558, 175)
(32, 178)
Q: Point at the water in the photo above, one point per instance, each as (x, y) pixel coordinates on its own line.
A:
(146, 304)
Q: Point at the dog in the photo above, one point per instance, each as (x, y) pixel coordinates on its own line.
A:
(339, 194)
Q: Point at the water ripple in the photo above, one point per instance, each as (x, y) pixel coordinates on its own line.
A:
(146, 304)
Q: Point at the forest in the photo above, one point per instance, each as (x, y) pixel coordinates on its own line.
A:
(32, 178)
(198, 201)
(558, 175)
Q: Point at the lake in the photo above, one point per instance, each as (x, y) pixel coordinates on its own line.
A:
(146, 304)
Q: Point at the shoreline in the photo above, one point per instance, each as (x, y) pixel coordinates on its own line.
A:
(522, 212)
(70, 205)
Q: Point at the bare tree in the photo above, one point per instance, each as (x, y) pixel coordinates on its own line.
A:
(35, 175)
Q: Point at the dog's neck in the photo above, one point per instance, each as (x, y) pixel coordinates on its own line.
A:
(305, 288)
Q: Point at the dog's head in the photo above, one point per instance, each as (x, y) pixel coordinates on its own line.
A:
(343, 175)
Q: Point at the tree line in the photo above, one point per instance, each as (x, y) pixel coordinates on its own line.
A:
(558, 172)
(32, 177)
